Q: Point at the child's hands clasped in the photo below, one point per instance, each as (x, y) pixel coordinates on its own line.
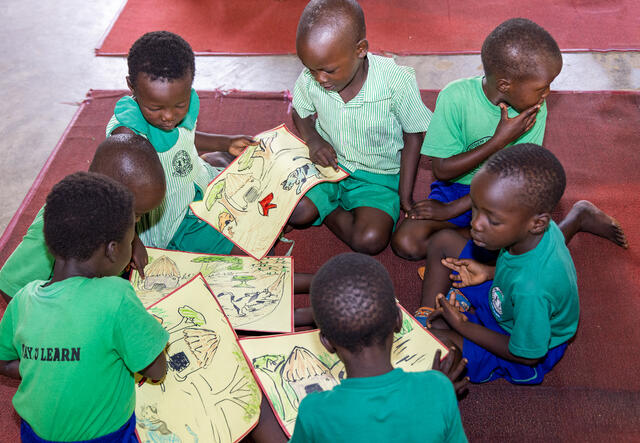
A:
(238, 143)
(322, 153)
(430, 210)
(509, 129)
(470, 272)
(447, 309)
(453, 373)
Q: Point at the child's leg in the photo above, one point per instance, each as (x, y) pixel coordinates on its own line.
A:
(587, 217)
(410, 241)
(268, 429)
(304, 214)
(364, 229)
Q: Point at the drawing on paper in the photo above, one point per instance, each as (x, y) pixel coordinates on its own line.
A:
(255, 295)
(251, 200)
(209, 393)
(290, 366)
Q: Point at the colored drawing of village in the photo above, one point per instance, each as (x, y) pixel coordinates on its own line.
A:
(293, 365)
(209, 393)
(260, 189)
(255, 295)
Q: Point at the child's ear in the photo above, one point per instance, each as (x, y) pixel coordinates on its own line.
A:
(327, 344)
(398, 327)
(111, 251)
(503, 85)
(540, 223)
(362, 48)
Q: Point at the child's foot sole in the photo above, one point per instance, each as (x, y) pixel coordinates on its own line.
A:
(597, 222)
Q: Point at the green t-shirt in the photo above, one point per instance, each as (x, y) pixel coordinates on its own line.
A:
(396, 406)
(78, 341)
(30, 261)
(464, 119)
(534, 296)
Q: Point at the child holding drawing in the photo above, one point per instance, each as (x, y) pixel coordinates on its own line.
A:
(76, 340)
(354, 306)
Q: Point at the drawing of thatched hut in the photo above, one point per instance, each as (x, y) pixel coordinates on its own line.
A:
(305, 373)
(162, 273)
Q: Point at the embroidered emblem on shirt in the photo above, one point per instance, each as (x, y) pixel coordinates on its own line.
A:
(181, 164)
(496, 301)
(475, 144)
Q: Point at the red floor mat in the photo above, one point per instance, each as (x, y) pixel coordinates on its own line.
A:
(594, 392)
(399, 26)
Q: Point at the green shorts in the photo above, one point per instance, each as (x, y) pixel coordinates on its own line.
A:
(195, 235)
(361, 188)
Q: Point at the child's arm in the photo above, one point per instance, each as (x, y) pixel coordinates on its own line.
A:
(436, 210)
(408, 168)
(10, 368)
(156, 370)
(470, 272)
(507, 131)
(139, 256)
(320, 151)
(490, 340)
(233, 144)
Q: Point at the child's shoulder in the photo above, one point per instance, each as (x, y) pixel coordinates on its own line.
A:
(386, 70)
(462, 87)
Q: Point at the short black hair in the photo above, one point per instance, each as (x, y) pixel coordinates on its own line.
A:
(161, 55)
(129, 159)
(540, 172)
(84, 211)
(353, 301)
(341, 15)
(515, 48)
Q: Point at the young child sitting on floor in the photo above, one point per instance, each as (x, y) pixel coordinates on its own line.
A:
(526, 307)
(476, 117)
(76, 340)
(369, 120)
(355, 308)
(127, 158)
(164, 108)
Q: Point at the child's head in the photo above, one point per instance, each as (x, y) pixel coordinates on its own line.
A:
(513, 195)
(353, 302)
(130, 160)
(89, 217)
(161, 69)
(331, 41)
(520, 60)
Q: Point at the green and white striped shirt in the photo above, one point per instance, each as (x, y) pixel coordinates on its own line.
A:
(183, 168)
(367, 131)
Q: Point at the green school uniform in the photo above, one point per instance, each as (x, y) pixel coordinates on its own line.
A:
(172, 224)
(78, 341)
(464, 119)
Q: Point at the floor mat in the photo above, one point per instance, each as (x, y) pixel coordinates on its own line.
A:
(594, 392)
(401, 27)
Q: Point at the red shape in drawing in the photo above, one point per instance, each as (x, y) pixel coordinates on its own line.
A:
(265, 205)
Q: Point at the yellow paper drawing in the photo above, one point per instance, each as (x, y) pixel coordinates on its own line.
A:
(255, 295)
(209, 393)
(251, 200)
(290, 366)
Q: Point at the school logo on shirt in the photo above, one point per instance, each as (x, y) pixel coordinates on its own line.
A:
(181, 163)
(475, 144)
(496, 301)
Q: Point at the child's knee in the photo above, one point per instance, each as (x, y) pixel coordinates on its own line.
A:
(304, 214)
(406, 244)
(370, 240)
(445, 243)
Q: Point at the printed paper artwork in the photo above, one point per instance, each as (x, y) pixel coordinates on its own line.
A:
(209, 393)
(290, 366)
(251, 200)
(255, 295)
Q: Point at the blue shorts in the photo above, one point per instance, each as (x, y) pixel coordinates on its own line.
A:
(126, 434)
(483, 366)
(447, 192)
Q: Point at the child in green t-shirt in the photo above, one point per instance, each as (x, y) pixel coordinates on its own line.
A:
(355, 308)
(127, 158)
(476, 117)
(524, 308)
(76, 340)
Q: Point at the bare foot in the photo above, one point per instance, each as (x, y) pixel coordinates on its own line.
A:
(592, 219)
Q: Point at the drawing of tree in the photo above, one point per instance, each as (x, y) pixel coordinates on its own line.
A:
(190, 318)
(243, 279)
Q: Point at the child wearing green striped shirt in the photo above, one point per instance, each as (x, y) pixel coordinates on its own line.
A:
(362, 113)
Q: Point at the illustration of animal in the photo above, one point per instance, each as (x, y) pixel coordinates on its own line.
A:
(299, 176)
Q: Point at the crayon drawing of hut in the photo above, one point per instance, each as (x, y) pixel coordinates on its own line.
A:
(162, 273)
(305, 373)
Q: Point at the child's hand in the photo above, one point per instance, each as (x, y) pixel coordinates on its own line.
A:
(430, 210)
(509, 129)
(447, 309)
(322, 153)
(446, 367)
(139, 257)
(238, 143)
(470, 272)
